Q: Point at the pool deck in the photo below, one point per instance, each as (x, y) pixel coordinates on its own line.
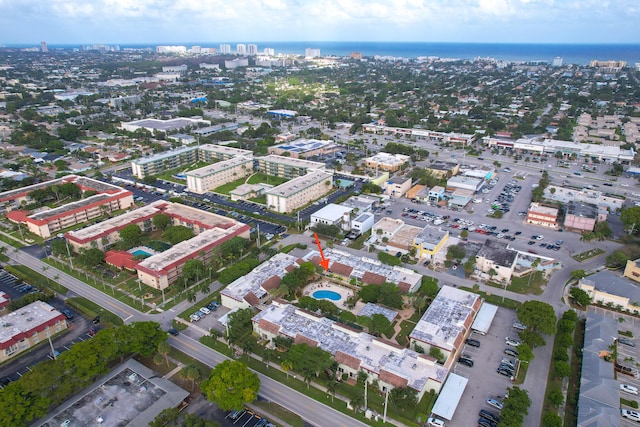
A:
(345, 293)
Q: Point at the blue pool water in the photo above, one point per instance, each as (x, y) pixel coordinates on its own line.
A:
(140, 252)
(333, 296)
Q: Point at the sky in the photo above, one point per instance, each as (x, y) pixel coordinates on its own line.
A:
(218, 21)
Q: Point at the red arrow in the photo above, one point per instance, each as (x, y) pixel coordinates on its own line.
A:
(324, 262)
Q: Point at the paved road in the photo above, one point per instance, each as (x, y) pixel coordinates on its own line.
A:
(310, 410)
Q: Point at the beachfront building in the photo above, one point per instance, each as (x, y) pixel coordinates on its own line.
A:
(287, 167)
(299, 192)
(387, 162)
(47, 222)
(253, 288)
(302, 148)
(446, 323)
(214, 175)
(27, 327)
(387, 364)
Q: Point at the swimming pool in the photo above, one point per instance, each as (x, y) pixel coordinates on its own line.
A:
(140, 252)
(324, 294)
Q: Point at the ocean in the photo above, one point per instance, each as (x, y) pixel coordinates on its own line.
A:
(580, 54)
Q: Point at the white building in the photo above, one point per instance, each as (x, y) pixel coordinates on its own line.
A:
(362, 223)
(225, 49)
(252, 49)
(333, 214)
(311, 52)
(241, 49)
(299, 191)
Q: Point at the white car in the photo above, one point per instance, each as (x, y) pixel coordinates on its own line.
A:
(629, 388)
(632, 415)
(495, 403)
(205, 310)
(435, 422)
(194, 317)
(539, 237)
(512, 342)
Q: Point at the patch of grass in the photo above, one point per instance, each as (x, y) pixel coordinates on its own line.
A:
(261, 178)
(168, 175)
(495, 299)
(279, 412)
(529, 284)
(626, 333)
(591, 253)
(34, 278)
(91, 309)
(260, 199)
(11, 241)
(522, 373)
(405, 329)
(627, 402)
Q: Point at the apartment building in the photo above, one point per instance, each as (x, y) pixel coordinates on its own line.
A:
(28, 326)
(299, 191)
(287, 167)
(302, 148)
(46, 223)
(213, 176)
(158, 125)
(387, 364)
(543, 216)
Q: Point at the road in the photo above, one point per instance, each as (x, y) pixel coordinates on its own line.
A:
(309, 409)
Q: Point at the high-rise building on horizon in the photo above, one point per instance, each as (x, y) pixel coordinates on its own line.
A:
(241, 49)
(557, 61)
(252, 49)
(43, 47)
(311, 52)
(269, 51)
(225, 49)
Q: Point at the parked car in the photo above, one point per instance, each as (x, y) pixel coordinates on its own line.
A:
(68, 314)
(435, 422)
(512, 341)
(629, 388)
(205, 310)
(626, 341)
(511, 352)
(466, 362)
(495, 403)
(489, 415)
(632, 415)
(519, 326)
(505, 372)
(483, 422)
(194, 317)
(472, 342)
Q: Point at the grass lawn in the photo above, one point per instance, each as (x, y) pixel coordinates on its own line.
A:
(261, 178)
(524, 285)
(260, 199)
(280, 412)
(34, 278)
(588, 254)
(494, 299)
(168, 175)
(405, 328)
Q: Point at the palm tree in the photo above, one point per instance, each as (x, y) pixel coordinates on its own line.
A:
(534, 268)
(419, 302)
(267, 355)
(332, 387)
(247, 347)
(163, 349)
(286, 366)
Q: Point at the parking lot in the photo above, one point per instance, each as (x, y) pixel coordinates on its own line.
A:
(246, 418)
(484, 382)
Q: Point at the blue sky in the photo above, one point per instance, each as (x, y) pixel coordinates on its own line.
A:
(216, 21)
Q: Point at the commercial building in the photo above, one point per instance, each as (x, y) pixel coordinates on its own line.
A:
(162, 269)
(333, 214)
(253, 289)
(361, 203)
(287, 167)
(211, 130)
(605, 288)
(299, 191)
(213, 176)
(442, 170)
(397, 186)
(580, 217)
(282, 114)
(446, 323)
(367, 270)
(46, 223)
(361, 224)
(632, 270)
(386, 364)
(429, 241)
(403, 239)
(157, 125)
(460, 197)
(420, 134)
(302, 148)
(386, 227)
(32, 324)
(464, 183)
(543, 216)
(387, 162)
(495, 255)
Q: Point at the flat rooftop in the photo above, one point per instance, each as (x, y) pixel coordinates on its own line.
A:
(388, 225)
(82, 203)
(431, 235)
(300, 183)
(218, 167)
(303, 145)
(84, 183)
(544, 210)
(388, 159)
(276, 266)
(447, 319)
(370, 309)
(224, 149)
(498, 252)
(290, 161)
(331, 212)
(164, 125)
(361, 265)
(586, 210)
(354, 348)
(129, 395)
(405, 235)
(25, 319)
(164, 155)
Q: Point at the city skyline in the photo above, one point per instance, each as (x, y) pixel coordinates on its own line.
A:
(480, 21)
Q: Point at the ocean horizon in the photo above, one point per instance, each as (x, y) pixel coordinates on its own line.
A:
(580, 54)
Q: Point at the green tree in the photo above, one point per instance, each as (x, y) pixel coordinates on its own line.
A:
(602, 230)
(231, 385)
(551, 419)
(469, 266)
(177, 233)
(516, 407)
(617, 259)
(437, 354)
(555, 396)
(193, 269)
(578, 274)
(163, 349)
(455, 252)
(526, 355)
(379, 324)
(131, 234)
(91, 258)
(630, 218)
(390, 295)
(161, 221)
(580, 297)
(429, 287)
(538, 316)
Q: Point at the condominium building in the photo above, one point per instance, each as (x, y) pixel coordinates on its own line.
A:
(299, 191)
(225, 49)
(311, 52)
(252, 49)
(241, 49)
(153, 125)
(544, 216)
(287, 167)
(213, 176)
(28, 326)
(446, 323)
(387, 162)
(303, 148)
(387, 364)
(46, 223)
